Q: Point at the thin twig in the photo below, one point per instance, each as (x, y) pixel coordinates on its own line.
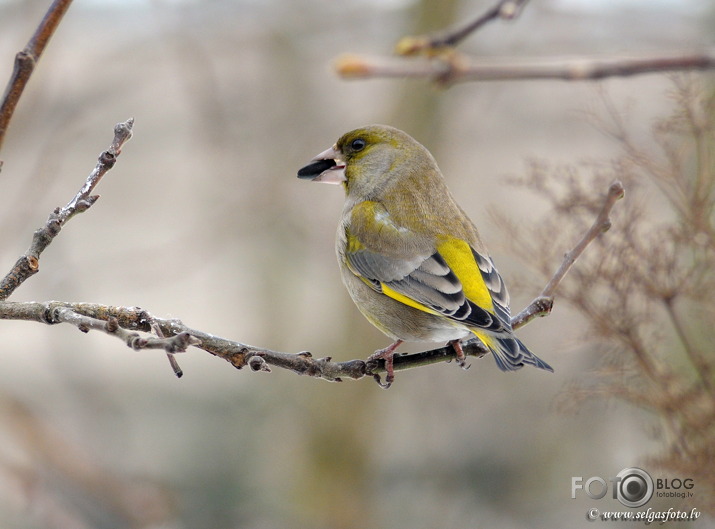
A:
(26, 60)
(599, 226)
(541, 306)
(28, 264)
(173, 362)
(503, 9)
(453, 68)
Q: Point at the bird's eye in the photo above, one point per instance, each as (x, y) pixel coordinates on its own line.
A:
(358, 145)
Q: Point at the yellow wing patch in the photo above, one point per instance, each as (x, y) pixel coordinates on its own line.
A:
(406, 300)
(458, 256)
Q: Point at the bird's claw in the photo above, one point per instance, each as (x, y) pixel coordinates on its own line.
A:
(387, 383)
(463, 364)
(371, 364)
(461, 357)
(387, 354)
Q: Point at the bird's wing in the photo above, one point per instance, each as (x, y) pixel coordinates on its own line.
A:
(448, 278)
(495, 285)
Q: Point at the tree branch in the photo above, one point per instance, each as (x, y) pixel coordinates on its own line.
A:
(133, 319)
(504, 9)
(28, 264)
(26, 60)
(449, 68)
(132, 325)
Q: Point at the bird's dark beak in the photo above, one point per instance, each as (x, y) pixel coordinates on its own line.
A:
(327, 167)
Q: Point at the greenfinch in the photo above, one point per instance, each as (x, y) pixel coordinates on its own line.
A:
(411, 259)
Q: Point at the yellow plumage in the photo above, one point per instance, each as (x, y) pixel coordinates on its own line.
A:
(459, 257)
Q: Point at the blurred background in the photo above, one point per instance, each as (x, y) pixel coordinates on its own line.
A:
(203, 219)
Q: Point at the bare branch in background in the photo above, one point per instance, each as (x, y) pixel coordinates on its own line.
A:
(26, 60)
(438, 60)
(504, 10)
(453, 67)
(138, 501)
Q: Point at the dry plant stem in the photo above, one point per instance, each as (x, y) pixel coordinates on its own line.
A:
(453, 68)
(702, 366)
(26, 60)
(542, 305)
(28, 264)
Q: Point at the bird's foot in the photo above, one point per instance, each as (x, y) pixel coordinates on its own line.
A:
(387, 354)
(461, 357)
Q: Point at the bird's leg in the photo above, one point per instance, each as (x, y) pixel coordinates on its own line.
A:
(386, 354)
(461, 358)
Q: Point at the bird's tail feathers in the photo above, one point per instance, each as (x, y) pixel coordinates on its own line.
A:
(511, 354)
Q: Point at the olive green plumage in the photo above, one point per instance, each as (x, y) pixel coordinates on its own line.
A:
(411, 259)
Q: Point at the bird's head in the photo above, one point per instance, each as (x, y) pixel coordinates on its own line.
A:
(367, 160)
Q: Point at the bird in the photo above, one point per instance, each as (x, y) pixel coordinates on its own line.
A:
(410, 257)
